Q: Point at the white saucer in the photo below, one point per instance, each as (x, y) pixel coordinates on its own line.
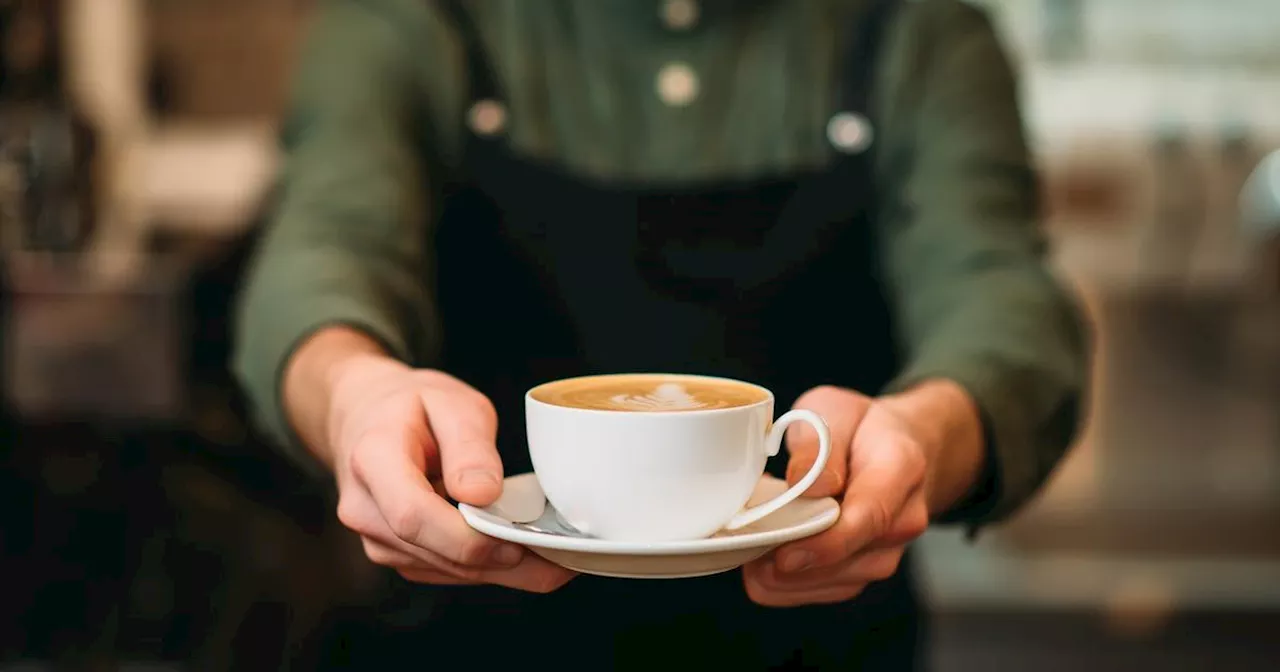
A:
(721, 552)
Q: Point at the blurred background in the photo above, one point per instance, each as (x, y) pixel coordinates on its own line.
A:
(145, 526)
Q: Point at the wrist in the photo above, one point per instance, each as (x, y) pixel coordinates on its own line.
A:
(316, 373)
(949, 426)
(324, 358)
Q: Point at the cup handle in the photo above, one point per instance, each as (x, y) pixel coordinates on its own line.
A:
(774, 444)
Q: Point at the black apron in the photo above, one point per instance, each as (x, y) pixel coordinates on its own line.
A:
(544, 274)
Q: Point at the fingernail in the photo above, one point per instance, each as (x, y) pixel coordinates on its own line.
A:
(796, 561)
(477, 477)
(507, 555)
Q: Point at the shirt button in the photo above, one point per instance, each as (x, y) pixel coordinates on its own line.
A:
(487, 117)
(849, 132)
(677, 84)
(679, 14)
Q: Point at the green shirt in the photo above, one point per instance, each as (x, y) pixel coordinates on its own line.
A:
(962, 252)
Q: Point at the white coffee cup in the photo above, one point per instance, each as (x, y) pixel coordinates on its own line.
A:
(653, 476)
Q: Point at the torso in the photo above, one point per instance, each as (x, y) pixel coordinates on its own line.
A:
(544, 273)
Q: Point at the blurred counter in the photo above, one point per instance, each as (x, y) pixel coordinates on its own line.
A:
(1170, 503)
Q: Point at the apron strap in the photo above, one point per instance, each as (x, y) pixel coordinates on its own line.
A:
(788, 250)
(482, 80)
(862, 56)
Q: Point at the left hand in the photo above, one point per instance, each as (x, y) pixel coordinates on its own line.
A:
(883, 454)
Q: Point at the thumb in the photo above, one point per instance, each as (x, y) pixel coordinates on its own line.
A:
(465, 428)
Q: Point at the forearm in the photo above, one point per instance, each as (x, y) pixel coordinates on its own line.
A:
(307, 386)
(950, 426)
(344, 243)
(965, 262)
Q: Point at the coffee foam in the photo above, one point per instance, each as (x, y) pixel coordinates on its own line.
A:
(648, 393)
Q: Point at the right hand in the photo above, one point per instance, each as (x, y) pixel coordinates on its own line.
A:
(390, 427)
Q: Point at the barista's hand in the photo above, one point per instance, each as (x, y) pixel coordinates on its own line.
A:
(389, 428)
(883, 462)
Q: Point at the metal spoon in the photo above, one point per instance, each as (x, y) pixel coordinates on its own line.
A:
(550, 522)
(525, 506)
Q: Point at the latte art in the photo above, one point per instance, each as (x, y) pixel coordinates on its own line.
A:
(667, 397)
(649, 393)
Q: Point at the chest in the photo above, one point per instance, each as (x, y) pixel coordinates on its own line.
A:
(681, 91)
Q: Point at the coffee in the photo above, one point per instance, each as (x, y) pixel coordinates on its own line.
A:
(648, 393)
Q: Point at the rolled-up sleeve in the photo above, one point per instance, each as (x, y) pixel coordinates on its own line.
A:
(966, 265)
(343, 243)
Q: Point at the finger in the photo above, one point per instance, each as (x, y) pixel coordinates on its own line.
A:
(358, 511)
(533, 575)
(877, 495)
(415, 514)
(867, 567)
(882, 488)
(843, 411)
(383, 547)
(834, 595)
(912, 521)
(380, 553)
(767, 597)
(433, 577)
(394, 552)
(465, 428)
